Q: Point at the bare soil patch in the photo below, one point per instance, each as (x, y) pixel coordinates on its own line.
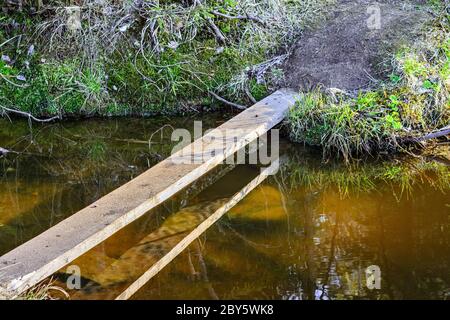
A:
(346, 53)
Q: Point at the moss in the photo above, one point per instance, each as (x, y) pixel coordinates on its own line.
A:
(161, 62)
(155, 84)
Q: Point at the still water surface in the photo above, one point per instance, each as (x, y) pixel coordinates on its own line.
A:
(308, 232)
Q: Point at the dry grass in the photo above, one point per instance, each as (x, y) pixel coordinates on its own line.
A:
(46, 290)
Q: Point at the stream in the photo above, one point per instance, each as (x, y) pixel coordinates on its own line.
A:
(308, 232)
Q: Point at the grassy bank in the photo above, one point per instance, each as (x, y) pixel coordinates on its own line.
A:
(134, 57)
(412, 101)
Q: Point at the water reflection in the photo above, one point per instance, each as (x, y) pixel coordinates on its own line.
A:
(307, 233)
(64, 167)
(338, 223)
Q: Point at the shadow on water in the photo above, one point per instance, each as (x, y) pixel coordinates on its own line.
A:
(308, 232)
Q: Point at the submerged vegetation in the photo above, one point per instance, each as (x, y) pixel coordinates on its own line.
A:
(412, 101)
(141, 57)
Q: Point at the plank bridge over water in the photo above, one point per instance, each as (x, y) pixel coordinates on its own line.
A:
(42, 256)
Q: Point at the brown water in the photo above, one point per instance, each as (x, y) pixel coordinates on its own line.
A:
(307, 233)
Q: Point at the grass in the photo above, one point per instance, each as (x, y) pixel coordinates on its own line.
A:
(57, 88)
(412, 102)
(343, 125)
(163, 58)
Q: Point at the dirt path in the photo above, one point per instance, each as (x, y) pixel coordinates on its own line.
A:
(348, 51)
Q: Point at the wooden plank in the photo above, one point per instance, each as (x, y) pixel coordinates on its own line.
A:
(197, 232)
(40, 257)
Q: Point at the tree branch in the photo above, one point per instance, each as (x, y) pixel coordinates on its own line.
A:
(4, 152)
(239, 17)
(219, 35)
(437, 134)
(28, 115)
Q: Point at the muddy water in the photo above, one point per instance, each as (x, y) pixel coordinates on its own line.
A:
(308, 232)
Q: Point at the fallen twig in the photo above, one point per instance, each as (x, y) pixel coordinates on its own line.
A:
(239, 17)
(4, 152)
(219, 35)
(235, 105)
(249, 95)
(437, 134)
(28, 115)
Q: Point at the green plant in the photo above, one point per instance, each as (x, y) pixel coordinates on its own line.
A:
(344, 125)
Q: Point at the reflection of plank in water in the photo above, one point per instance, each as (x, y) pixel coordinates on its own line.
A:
(47, 253)
(183, 244)
(124, 239)
(156, 250)
(262, 204)
(150, 249)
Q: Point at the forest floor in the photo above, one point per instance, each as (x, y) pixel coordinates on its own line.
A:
(373, 78)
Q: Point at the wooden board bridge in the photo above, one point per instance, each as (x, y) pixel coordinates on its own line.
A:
(42, 256)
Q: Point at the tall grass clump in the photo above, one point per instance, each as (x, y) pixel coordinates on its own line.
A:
(343, 125)
(413, 101)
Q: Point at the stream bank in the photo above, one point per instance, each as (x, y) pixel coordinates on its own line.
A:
(365, 88)
(374, 79)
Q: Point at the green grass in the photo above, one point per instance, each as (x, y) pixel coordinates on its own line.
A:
(56, 88)
(413, 102)
(344, 125)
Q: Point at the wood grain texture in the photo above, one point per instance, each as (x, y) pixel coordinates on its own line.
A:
(40, 257)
